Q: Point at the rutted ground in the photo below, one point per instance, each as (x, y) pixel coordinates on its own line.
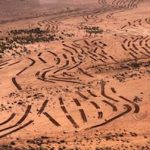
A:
(77, 80)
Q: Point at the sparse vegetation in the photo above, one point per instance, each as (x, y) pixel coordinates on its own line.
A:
(24, 36)
(93, 30)
(75, 79)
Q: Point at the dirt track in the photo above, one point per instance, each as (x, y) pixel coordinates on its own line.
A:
(77, 78)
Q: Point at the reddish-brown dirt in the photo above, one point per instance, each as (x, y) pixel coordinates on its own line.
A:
(75, 75)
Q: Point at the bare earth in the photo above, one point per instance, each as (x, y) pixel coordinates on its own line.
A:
(75, 75)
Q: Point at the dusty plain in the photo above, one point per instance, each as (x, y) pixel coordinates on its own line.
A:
(75, 75)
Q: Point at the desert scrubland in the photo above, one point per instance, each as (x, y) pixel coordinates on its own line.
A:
(75, 75)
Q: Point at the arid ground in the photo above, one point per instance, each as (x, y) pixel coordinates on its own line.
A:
(75, 75)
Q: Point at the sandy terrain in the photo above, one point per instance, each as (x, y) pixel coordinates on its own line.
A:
(75, 75)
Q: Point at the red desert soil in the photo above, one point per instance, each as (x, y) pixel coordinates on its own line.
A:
(75, 75)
